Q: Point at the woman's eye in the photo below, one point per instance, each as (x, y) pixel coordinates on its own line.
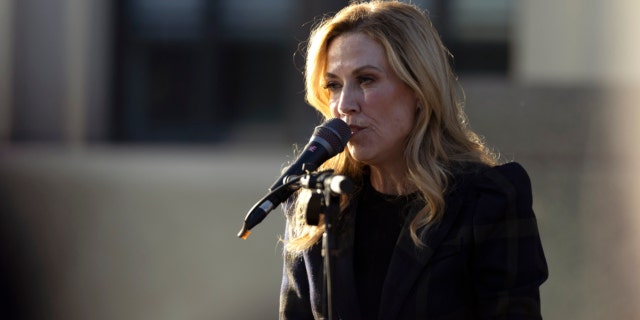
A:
(332, 86)
(365, 80)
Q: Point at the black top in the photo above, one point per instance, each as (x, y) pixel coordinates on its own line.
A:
(379, 220)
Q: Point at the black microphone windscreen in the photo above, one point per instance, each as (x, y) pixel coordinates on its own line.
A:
(336, 132)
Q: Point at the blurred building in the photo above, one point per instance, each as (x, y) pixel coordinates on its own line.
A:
(76, 72)
(179, 71)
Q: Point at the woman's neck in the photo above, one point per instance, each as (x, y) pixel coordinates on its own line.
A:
(391, 181)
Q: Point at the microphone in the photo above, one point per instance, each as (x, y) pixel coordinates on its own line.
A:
(328, 140)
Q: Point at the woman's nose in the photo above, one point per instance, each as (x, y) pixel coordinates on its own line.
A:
(348, 103)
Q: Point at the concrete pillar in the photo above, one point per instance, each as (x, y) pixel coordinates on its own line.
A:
(59, 67)
(576, 41)
(76, 25)
(6, 69)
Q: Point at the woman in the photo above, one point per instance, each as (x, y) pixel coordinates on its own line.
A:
(435, 229)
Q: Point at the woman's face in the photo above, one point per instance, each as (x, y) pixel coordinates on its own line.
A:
(367, 94)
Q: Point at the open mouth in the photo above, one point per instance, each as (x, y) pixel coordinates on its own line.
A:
(355, 129)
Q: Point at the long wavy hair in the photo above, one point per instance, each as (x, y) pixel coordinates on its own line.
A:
(440, 138)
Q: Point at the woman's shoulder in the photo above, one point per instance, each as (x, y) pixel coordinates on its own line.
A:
(496, 193)
(511, 173)
(507, 181)
(510, 177)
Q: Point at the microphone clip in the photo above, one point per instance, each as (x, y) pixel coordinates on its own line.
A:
(326, 190)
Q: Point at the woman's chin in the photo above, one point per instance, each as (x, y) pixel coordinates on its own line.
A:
(358, 153)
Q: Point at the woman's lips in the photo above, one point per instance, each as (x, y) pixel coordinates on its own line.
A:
(355, 129)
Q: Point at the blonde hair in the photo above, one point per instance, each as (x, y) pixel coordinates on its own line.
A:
(440, 136)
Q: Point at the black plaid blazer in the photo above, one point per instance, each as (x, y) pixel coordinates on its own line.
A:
(483, 260)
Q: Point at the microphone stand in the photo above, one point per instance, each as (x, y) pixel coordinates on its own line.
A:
(327, 189)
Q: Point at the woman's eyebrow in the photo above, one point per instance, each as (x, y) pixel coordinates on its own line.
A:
(355, 71)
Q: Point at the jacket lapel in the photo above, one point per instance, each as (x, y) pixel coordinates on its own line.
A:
(408, 261)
